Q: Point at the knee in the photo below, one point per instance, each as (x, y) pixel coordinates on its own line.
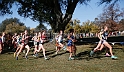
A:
(43, 49)
(110, 47)
(28, 48)
(37, 51)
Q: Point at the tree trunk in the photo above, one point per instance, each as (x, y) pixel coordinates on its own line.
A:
(60, 22)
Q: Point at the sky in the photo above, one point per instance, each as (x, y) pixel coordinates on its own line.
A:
(82, 13)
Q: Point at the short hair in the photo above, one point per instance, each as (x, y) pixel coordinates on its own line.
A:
(71, 30)
(43, 31)
(60, 31)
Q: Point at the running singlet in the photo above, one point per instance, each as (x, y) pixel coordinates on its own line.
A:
(70, 42)
(104, 35)
(36, 40)
(19, 40)
(25, 41)
(43, 37)
(60, 40)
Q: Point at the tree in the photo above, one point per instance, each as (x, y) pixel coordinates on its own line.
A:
(77, 26)
(73, 24)
(32, 31)
(14, 28)
(89, 27)
(8, 21)
(68, 27)
(40, 27)
(111, 16)
(121, 24)
(94, 28)
(56, 12)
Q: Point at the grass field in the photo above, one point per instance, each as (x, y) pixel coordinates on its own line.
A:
(60, 63)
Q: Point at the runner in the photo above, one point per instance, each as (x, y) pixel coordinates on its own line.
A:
(24, 44)
(71, 45)
(42, 38)
(36, 44)
(100, 47)
(19, 38)
(59, 42)
(103, 37)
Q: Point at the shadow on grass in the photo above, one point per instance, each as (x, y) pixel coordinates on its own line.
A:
(51, 53)
(7, 51)
(86, 55)
(59, 54)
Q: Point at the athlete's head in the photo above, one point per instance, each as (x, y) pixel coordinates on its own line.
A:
(43, 32)
(26, 32)
(60, 32)
(36, 34)
(71, 30)
(105, 28)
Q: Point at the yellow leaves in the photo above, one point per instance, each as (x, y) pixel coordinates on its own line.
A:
(86, 27)
(14, 27)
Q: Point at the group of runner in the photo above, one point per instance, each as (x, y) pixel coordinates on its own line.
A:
(21, 42)
(70, 43)
(102, 35)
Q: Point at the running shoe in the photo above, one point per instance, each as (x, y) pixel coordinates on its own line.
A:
(64, 48)
(56, 53)
(70, 58)
(114, 57)
(16, 58)
(107, 55)
(46, 58)
(91, 53)
(26, 57)
(34, 55)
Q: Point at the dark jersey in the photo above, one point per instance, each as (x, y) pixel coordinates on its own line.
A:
(105, 35)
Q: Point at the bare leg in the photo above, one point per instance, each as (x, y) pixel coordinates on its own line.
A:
(74, 50)
(17, 50)
(21, 47)
(101, 47)
(61, 45)
(70, 49)
(44, 54)
(110, 49)
(28, 49)
(109, 46)
(97, 47)
(107, 54)
(35, 49)
(57, 49)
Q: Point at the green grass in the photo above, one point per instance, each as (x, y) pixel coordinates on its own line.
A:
(60, 63)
